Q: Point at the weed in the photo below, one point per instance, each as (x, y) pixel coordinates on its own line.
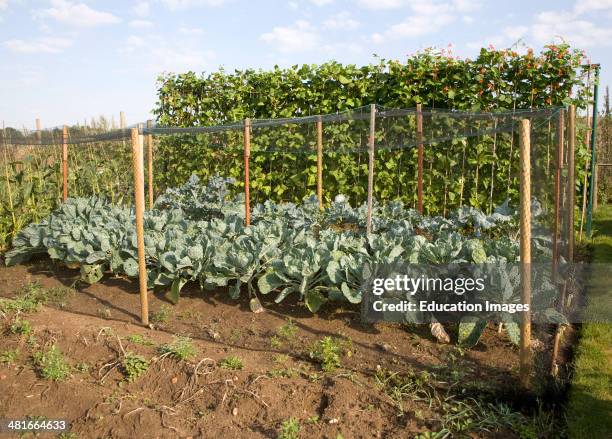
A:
(51, 364)
(134, 366)
(276, 342)
(21, 327)
(162, 315)
(313, 419)
(280, 358)
(9, 356)
(235, 336)
(67, 435)
(289, 429)
(82, 367)
(181, 348)
(287, 372)
(328, 352)
(139, 339)
(288, 330)
(412, 385)
(232, 363)
(104, 313)
(32, 296)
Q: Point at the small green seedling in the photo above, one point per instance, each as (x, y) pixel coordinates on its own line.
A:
(21, 327)
(289, 429)
(328, 352)
(232, 363)
(9, 356)
(139, 339)
(163, 315)
(51, 364)
(134, 366)
(181, 348)
(288, 330)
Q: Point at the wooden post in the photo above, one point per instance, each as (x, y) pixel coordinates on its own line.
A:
(320, 161)
(65, 163)
(525, 249)
(555, 242)
(371, 167)
(137, 154)
(150, 163)
(419, 133)
(122, 120)
(571, 181)
(247, 155)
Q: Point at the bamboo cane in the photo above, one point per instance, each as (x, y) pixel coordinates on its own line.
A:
(420, 153)
(371, 167)
(247, 155)
(320, 161)
(525, 249)
(137, 154)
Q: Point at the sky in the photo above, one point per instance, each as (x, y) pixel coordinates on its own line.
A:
(64, 61)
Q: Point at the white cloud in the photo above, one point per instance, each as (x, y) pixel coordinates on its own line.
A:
(39, 45)
(552, 25)
(341, 21)
(381, 4)
(3, 4)
(321, 2)
(185, 4)
(141, 9)
(426, 17)
(162, 54)
(141, 24)
(297, 38)
(515, 32)
(77, 14)
(191, 30)
(582, 6)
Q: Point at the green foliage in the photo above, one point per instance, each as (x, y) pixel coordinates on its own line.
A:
(288, 330)
(289, 429)
(232, 363)
(139, 339)
(134, 366)
(181, 348)
(51, 364)
(162, 315)
(495, 80)
(329, 351)
(9, 356)
(21, 327)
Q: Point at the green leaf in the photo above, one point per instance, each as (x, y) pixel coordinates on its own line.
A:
(175, 290)
(470, 331)
(314, 299)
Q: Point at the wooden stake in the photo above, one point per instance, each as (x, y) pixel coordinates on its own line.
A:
(371, 166)
(525, 249)
(65, 163)
(320, 161)
(555, 241)
(150, 163)
(122, 120)
(419, 133)
(38, 130)
(571, 181)
(247, 155)
(137, 154)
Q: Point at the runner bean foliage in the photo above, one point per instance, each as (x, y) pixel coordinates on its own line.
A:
(477, 171)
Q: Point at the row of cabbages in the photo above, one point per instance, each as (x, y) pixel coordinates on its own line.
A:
(195, 233)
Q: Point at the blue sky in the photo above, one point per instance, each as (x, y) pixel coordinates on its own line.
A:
(66, 60)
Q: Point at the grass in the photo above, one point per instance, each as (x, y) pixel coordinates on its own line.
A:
(181, 348)
(33, 295)
(51, 364)
(139, 339)
(590, 399)
(232, 363)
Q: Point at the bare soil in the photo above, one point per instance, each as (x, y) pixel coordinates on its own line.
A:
(199, 398)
